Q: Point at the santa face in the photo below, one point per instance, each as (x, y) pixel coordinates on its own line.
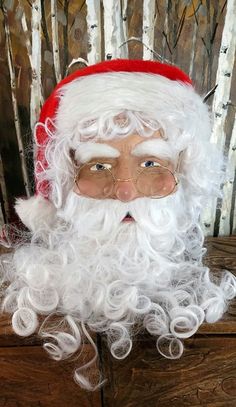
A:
(120, 175)
(126, 169)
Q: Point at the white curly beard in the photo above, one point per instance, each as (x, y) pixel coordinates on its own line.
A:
(111, 275)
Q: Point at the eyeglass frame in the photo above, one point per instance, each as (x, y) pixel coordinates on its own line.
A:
(134, 180)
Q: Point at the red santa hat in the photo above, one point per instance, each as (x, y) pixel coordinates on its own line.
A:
(38, 209)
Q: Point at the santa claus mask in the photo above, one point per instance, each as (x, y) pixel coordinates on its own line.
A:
(124, 168)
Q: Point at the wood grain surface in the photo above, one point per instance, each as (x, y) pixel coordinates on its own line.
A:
(204, 376)
(28, 378)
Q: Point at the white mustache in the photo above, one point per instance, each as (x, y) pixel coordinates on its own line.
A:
(105, 216)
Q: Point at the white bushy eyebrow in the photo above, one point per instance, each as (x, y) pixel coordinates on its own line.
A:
(154, 147)
(86, 151)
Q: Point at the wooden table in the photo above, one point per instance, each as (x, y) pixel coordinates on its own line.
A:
(204, 376)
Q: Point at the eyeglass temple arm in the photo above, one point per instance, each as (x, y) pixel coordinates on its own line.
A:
(179, 161)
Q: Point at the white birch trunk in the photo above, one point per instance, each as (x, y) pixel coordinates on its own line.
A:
(14, 104)
(55, 41)
(27, 34)
(36, 95)
(193, 51)
(125, 28)
(221, 96)
(148, 28)
(122, 50)
(228, 188)
(94, 31)
(112, 29)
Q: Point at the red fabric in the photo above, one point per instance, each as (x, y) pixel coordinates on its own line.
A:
(117, 65)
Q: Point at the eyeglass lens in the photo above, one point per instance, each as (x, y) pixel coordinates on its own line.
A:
(152, 181)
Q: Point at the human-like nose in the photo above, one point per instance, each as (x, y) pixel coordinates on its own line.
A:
(125, 190)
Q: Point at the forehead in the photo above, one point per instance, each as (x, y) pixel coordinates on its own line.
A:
(126, 144)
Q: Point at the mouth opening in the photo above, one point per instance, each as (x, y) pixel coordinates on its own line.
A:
(128, 218)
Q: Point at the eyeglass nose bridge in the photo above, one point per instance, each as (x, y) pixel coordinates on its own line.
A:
(125, 180)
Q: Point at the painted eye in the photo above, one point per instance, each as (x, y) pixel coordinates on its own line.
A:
(100, 167)
(149, 163)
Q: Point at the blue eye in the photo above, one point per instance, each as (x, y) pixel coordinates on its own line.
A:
(99, 167)
(149, 163)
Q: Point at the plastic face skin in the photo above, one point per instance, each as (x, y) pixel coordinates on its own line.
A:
(125, 156)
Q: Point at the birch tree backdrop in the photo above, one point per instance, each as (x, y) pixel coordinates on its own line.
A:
(42, 41)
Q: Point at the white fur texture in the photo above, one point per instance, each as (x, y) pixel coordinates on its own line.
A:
(35, 212)
(174, 104)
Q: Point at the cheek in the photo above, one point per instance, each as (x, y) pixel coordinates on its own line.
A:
(86, 188)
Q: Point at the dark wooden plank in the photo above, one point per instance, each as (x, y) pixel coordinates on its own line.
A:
(227, 325)
(221, 253)
(28, 378)
(221, 246)
(204, 376)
